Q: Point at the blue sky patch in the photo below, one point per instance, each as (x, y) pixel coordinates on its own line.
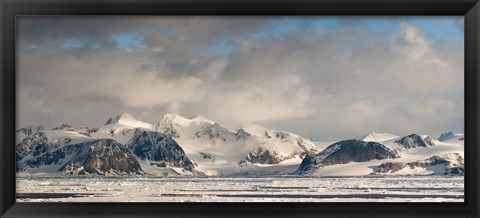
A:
(126, 39)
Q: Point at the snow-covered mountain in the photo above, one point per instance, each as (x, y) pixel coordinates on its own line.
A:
(410, 150)
(250, 149)
(65, 148)
(447, 164)
(99, 156)
(415, 141)
(103, 157)
(347, 151)
(28, 138)
(159, 149)
(127, 120)
(378, 137)
(452, 137)
(176, 145)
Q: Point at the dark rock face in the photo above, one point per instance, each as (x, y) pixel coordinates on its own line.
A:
(412, 141)
(308, 163)
(206, 155)
(453, 164)
(31, 130)
(281, 135)
(391, 167)
(155, 146)
(263, 156)
(103, 156)
(42, 147)
(429, 141)
(345, 152)
(35, 140)
(54, 157)
(267, 135)
(39, 151)
(358, 151)
(100, 156)
(92, 157)
(446, 136)
(450, 135)
(241, 134)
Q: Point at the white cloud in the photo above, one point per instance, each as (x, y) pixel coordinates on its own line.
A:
(311, 81)
(280, 98)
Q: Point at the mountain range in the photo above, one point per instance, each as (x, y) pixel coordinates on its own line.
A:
(178, 146)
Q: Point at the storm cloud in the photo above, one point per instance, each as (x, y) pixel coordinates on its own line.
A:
(321, 77)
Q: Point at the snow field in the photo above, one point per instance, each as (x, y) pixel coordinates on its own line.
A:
(215, 189)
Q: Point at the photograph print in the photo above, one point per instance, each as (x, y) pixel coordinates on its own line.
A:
(239, 109)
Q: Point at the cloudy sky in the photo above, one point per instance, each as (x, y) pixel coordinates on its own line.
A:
(321, 77)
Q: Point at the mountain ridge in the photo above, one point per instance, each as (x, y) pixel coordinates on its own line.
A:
(176, 145)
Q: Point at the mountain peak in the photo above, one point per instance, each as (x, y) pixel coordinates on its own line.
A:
(31, 129)
(172, 117)
(378, 137)
(118, 118)
(183, 121)
(127, 120)
(450, 135)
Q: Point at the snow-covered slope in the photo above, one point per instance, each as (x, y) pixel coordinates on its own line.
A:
(178, 126)
(127, 120)
(378, 137)
(120, 128)
(249, 149)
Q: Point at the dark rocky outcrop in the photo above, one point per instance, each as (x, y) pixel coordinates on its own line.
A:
(308, 163)
(156, 146)
(261, 155)
(35, 140)
(241, 134)
(91, 157)
(55, 157)
(390, 167)
(345, 152)
(214, 131)
(31, 130)
(102, 157)
(429, 140)
(413, 141)
(451, 135)
(281, 135)
(206, 155)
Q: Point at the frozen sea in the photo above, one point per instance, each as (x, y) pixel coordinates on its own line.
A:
(216, 189)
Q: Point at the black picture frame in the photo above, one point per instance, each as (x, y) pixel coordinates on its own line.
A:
(10, 9)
